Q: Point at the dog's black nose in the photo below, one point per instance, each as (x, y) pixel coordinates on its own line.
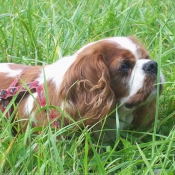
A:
(150, 67)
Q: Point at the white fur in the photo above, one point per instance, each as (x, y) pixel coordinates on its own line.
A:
(29, 104)
(126, 43)
(56, 71)
(137, 76)
(4, 68)
(125, 116)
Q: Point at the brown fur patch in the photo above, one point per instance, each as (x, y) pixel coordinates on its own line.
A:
(144, 115)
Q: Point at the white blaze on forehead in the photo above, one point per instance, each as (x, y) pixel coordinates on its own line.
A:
(126, 43)
(4, 68)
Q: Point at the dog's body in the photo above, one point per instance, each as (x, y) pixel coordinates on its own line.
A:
(90, 84)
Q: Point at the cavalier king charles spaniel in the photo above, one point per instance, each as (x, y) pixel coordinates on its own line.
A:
(85, 87)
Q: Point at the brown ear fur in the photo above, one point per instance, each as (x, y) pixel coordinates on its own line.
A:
(86, 88)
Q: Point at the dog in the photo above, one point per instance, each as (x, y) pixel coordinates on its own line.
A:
(84, 87)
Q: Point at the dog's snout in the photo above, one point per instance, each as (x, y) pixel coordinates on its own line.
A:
(150, 67)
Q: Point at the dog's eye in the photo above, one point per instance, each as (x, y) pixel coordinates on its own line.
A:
(125, 67)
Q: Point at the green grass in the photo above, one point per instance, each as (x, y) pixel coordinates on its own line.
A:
(36, 32)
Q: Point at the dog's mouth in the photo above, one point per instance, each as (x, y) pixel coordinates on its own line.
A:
(146, 93)
(140, 98)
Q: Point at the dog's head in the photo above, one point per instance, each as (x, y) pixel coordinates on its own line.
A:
(111, 71)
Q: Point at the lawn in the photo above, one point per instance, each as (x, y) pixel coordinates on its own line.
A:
(36, 32)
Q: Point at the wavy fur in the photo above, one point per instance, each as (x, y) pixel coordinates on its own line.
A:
(86, 88)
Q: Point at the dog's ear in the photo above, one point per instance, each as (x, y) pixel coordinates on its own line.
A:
(86, 88)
